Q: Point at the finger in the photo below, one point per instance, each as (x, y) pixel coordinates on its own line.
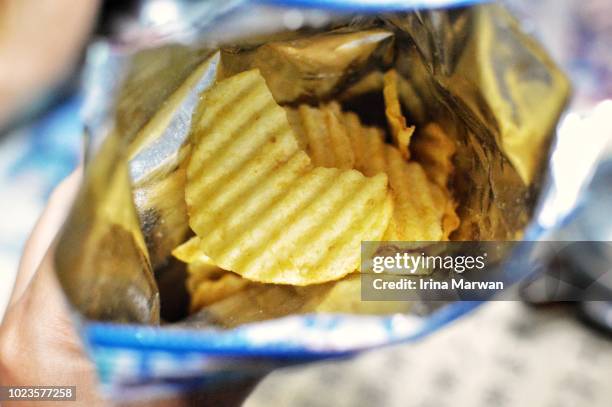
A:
(40, 344)
(45, 230)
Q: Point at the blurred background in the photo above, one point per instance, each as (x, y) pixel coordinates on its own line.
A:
(505, 354)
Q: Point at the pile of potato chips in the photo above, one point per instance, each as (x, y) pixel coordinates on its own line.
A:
(286, 195)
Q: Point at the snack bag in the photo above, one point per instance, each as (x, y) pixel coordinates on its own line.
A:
(237, 174)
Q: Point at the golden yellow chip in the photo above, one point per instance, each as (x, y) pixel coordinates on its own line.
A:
(189, 252)
(416, 217)
(199, 266)
(393, 110)
(451, 220)
(258, 302)
(308, 233)
(201, 271)
(445, 203)
(322, 135)
(206, 282)
(362, 138)
(206, 288)
(434, 150)
(258, 206)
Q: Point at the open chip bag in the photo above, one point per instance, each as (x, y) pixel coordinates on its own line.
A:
(234, 169)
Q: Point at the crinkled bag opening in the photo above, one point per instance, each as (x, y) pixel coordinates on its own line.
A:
(469, 71)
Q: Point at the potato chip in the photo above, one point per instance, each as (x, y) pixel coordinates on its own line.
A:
(451, 220)
(201, 271)
(310, 232)
(258, 206)
(207, 288)
(415, 215)
(359, 137)
(434, 150)
(321, 134)
(199, 266)
(297, 125)
(393, 110)
(445, 203)
(189, 252)
(258, 302)
(344, 296)
(206, 282)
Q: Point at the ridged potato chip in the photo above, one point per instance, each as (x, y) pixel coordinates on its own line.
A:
(258, 302)
(415, 215)
(190, 252)
(207, 283)
(206, 287)
(401, 132)
(418, 205)
(434, 150)
(321, 134)
(444, 202)
(451, 220)
(259, 207)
